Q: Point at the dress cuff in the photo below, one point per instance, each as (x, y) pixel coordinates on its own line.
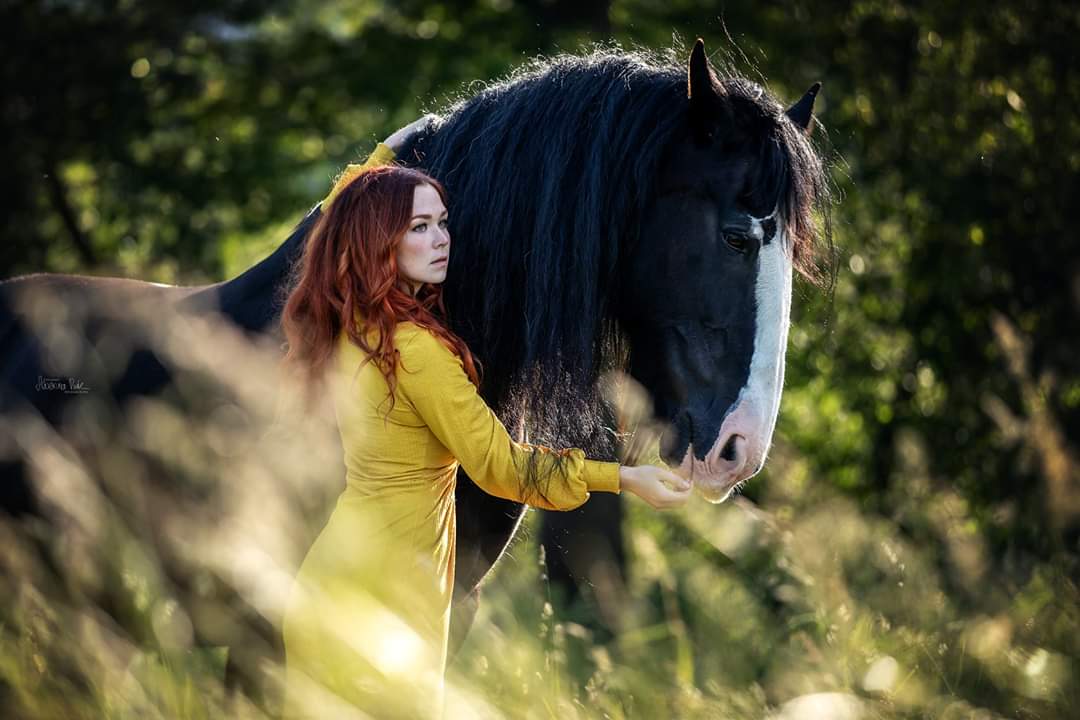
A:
(601, 476)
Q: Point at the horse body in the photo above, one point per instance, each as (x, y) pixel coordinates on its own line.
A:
(606, 216)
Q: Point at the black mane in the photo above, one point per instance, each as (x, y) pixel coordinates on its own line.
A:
(549, 172)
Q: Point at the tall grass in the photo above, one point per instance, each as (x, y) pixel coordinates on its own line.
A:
(800, 604)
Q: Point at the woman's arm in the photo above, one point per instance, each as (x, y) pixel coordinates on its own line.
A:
(383, 154)
(433, 381)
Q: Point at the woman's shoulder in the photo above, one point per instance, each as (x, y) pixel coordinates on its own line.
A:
(410, 340)
(409, 332)
(420, 348)
(404, 330)
(410, 337)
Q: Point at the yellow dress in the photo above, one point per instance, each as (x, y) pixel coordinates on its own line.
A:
(367, 623)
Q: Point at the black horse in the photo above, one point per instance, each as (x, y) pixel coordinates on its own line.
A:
(615, 211)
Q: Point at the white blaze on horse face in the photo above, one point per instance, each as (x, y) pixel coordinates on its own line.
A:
(766, 382)
(750, 422)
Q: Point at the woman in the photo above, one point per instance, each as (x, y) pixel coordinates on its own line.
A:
(367, 623)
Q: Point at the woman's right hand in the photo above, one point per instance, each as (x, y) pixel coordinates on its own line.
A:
(660, 488)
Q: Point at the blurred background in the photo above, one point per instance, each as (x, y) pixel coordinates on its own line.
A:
(912, 548)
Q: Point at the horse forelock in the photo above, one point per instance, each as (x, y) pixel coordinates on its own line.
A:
(787, 172)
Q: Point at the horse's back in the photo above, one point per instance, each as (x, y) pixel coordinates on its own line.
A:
(47, 321)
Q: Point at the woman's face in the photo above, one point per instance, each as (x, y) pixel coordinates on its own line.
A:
(424, 252)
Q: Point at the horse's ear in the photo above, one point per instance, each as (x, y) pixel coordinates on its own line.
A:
(802, 112)
(702, 92)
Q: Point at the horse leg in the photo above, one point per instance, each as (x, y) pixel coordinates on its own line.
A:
(246, 676)
(256, 651)
(17, 497)
(586, 558)
(462, 615)
(485, 526)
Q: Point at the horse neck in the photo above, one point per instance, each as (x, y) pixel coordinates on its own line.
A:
(253, 300)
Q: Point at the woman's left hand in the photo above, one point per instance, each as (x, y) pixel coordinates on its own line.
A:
(400, 137)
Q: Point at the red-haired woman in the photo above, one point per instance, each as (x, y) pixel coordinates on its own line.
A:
(367, 622)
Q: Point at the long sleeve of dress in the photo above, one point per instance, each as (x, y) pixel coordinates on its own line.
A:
(432, 379)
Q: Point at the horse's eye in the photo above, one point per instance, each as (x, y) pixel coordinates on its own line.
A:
(735, 241)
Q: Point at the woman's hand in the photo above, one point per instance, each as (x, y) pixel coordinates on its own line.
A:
(660, 488)
(400, 137)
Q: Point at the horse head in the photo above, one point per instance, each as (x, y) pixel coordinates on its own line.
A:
(628, 198)
(707, 309)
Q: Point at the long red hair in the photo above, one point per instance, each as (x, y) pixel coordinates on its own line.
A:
(349, 269)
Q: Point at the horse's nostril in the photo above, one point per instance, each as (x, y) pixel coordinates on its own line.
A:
(728, 452)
